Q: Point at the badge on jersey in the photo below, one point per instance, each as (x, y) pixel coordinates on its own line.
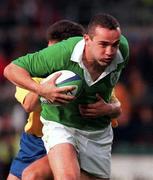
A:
(114, 77)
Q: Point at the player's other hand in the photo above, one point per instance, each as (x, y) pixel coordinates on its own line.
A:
(99, 108)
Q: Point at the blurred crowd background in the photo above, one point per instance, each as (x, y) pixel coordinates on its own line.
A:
(23, 25)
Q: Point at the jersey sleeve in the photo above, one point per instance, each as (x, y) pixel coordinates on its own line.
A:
(113, 96)
(48, 60)
(21, 93)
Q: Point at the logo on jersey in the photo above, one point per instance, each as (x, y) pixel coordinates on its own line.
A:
(114, 77)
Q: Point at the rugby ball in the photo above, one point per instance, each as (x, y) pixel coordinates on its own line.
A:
(67, 78)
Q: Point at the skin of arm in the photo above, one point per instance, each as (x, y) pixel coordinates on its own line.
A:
(28, 100)
(31, 102)
(20, 77)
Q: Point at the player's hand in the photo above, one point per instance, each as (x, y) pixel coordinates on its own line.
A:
(99, 108)
(55, 94)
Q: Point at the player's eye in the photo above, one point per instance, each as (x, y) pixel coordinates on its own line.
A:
(115, 45)
(103, 45)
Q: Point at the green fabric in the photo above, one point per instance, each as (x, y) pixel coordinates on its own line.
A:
(57, 57)
(50, 59)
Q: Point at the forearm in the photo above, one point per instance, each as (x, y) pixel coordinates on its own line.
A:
(20, 77)
(31, 102)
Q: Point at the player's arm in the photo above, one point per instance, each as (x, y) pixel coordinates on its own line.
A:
(28, 100)
(17, 75)
(102, 108)
(21, 77)
(40, 64)
(31, 102)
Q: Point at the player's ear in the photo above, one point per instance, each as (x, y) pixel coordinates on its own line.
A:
(51, 42)
(86, 38)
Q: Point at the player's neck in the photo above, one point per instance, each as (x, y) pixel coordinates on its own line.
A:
(93, 68)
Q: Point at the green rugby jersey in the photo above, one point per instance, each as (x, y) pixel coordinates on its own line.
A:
(67, 55)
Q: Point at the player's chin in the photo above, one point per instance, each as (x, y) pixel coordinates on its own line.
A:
(103, 63)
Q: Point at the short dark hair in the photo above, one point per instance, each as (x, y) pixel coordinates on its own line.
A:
(64, 29)
(102, 20)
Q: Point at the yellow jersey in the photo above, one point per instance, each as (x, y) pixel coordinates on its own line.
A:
(33, 125)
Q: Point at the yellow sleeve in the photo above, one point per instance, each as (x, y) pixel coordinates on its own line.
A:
(21, 93)
(113, 96)
(113, 93)
(114, 121)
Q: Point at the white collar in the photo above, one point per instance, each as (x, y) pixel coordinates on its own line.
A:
(78, 51)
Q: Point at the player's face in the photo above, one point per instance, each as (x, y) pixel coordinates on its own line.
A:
(103, 46)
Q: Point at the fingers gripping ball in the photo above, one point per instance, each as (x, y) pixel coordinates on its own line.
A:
(67, 78)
